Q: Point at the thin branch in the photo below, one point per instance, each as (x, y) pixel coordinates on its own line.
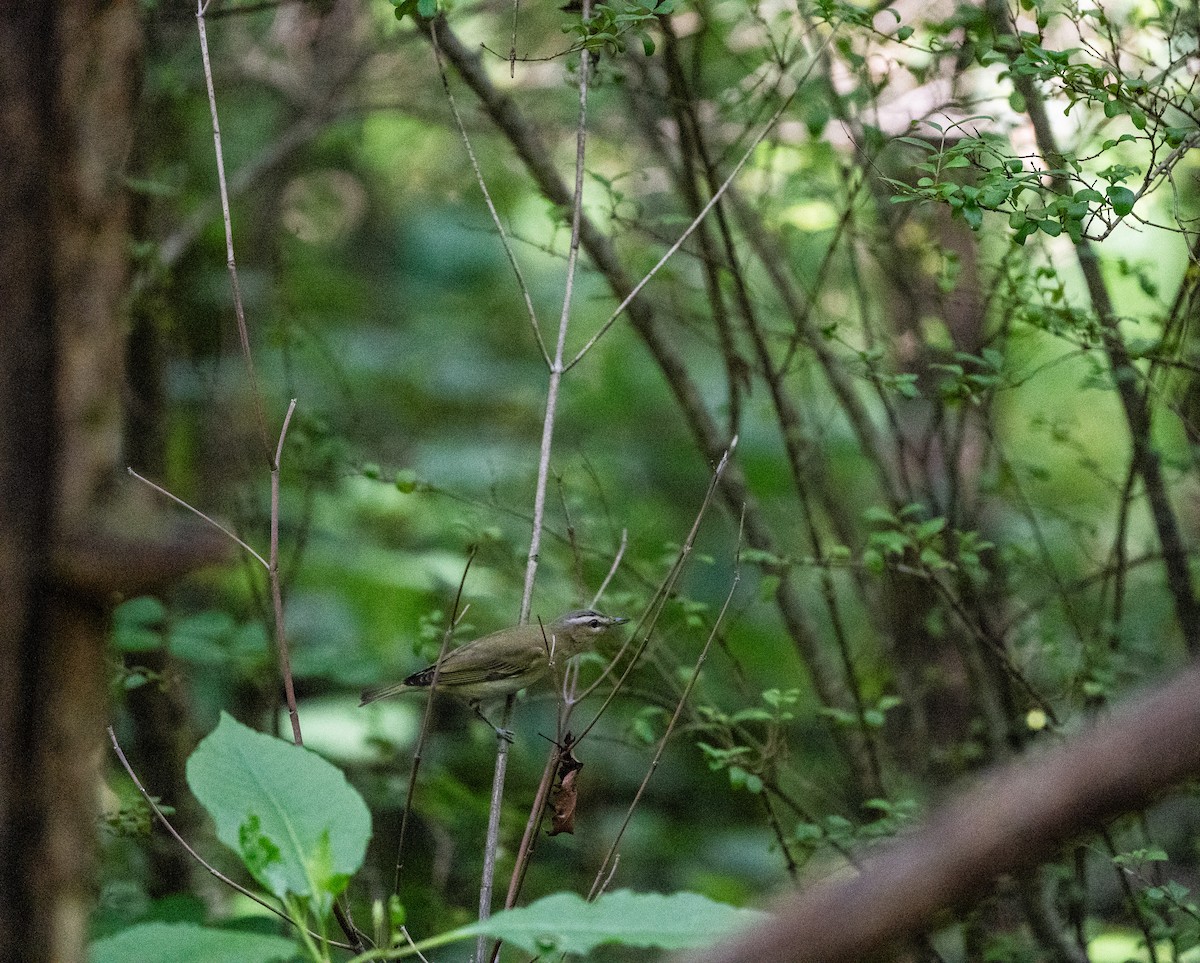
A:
(191, 508)
(539, 504)
(418, 750)
(610, 856)
(281, 643)
(243, 334)
(487, 195)
(612, 569)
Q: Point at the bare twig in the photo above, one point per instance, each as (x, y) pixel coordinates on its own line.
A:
(281, 643)
(243, 333)
(612, 569)
(191, 508)
(424, 731)
(487, 195)
(608, 864)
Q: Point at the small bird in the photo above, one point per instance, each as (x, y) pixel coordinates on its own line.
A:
(504, 662)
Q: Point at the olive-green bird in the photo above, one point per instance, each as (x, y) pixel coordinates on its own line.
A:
(504, 662)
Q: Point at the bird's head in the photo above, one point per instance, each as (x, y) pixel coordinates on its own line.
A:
(580, 628)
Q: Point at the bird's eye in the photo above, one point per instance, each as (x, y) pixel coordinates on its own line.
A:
(595, 623)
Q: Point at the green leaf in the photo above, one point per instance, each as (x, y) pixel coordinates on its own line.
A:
(137, 625)
(566, 923)
(300, 828)
(189, 943)
(929, 528)
(1121, 198)
(877, 515)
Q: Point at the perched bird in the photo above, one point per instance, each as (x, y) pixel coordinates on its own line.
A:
(500, 664)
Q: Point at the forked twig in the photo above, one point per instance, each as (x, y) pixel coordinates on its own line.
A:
(712, 202)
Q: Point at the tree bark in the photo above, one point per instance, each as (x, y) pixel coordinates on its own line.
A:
(67, 76)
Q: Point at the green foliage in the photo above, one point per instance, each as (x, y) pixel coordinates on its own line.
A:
(137, 625)
(298, 826)
(945, 534)
(611, 22)
(188, 943)
(566, 923)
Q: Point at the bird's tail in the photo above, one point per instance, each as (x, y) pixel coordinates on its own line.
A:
(382, 692)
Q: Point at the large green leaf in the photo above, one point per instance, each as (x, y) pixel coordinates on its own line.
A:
(298, 825)
(189, 943)
(566, 923)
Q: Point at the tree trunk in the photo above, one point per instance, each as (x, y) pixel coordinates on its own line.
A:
(67, 73)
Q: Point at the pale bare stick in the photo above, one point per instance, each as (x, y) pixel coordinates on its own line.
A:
(609, 860)
(243, 334)
(712, 201)
(557, 370)
(161, 817)
(487, 196)
(612, 570)
(191, 508)
(281, 643)
(413, 946)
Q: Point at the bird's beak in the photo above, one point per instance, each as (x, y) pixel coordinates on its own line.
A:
(620, 621)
